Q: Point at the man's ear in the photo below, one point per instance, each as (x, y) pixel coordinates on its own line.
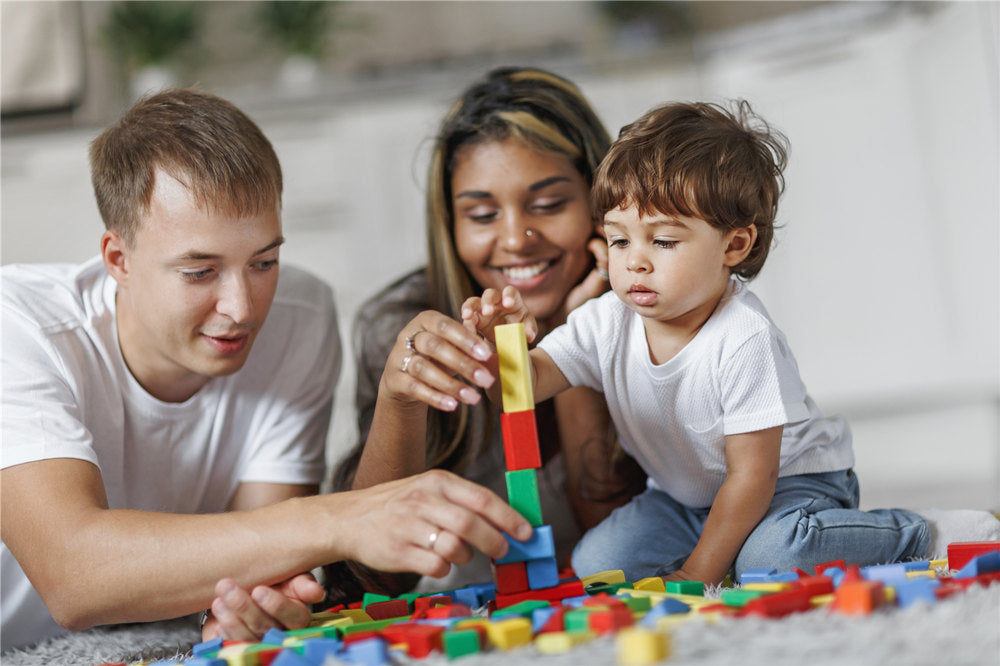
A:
(739, 242)
(115, 256)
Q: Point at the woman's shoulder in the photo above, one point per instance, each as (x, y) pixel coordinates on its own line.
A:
(401, 299)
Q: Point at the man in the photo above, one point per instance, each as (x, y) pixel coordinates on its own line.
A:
(165, 405)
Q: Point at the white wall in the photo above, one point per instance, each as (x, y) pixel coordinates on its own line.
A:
(886, 277)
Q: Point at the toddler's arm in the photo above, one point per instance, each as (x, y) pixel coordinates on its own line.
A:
(482, 313)
(752, 463)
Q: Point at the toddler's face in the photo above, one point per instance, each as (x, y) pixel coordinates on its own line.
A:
(667, 268)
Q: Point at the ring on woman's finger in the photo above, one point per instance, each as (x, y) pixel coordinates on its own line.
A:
(603, 272)
(432, 539)
(406, 362)
(410, 340)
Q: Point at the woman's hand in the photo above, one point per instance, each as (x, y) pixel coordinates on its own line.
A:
(436, 361)
(246, 615)
(593, 284)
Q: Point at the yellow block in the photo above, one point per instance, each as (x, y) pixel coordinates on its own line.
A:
(766, 587)
(558, 642)
(611, 577)
(654, 583)
(637, 645)
(510, 632)
(922, 573)
(515, 368)
(939, 564)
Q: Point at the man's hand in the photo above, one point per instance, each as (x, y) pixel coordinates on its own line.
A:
(238, 614)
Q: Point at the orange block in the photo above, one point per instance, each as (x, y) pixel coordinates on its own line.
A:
(858, 597)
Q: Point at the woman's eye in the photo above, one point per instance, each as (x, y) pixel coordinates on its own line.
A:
(549, 206)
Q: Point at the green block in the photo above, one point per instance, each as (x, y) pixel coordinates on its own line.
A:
(577, 621)
(374, 625)
(521, 608)
(607, 588)
(522, 494)
(371, 598)
(636, 604)
(739, 597)
(314, 632)
(692, 587)
(460, 642)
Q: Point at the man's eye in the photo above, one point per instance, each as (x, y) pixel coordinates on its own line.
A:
(195, 276)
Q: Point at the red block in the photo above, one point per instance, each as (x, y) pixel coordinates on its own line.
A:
(420, 639)
(555, 623)
(564, 590)
(603, 599)
(520, 440)
(423, 604)
(610, 620)
(839, 564)
(384, 610)
(510, 578)
(446, 611)
(959, 553)
(356, 636)
(814, 585)
(780, 604)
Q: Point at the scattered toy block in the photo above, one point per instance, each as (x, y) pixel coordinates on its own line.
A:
(814, 585)
(460, 642)
(287, 658)
(606, 577)
(960, 552)
(779, 604)
(636, 646)
(422, 604)
(510, 632)
(564, 590)
(520, 440)
(916, 590)
(319, 649)
(383, 610)
(858, 597)
(692, 587)
(420, 639)
(758, 575)
(980, 565)
(662, 609)
(370, 652)
(542, 573)
(555, 621)
(522, 495)
(560, 642)
(834, 564)
(539, 545)
(740, 596)
(610, 620)
(654, 583)
(521, 609)
(887, 574)
(515, 368)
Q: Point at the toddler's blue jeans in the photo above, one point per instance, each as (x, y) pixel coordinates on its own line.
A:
(812, 519)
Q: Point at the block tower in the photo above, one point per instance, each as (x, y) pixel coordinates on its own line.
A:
(529, 567)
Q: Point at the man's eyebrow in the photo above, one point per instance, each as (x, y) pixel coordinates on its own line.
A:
(195, 255)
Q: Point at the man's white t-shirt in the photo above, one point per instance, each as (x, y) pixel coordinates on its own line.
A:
(736, 376)
(67, 393)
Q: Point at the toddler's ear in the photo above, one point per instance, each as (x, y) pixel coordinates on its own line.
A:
(739, 243)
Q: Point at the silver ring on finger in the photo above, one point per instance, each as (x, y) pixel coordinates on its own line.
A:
(603, 272)
(410, 340)
(406, 363)
(432, 539)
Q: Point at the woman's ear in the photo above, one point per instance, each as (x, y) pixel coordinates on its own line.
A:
(739, 242)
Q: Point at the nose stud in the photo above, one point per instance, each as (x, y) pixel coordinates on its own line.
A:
(529, 233)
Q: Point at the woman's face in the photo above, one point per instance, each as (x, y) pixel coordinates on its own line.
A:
(522, 217)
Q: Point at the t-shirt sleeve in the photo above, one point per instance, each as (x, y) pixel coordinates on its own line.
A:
(290, 445)
(573, 346)
(760, 385)
(40, 409)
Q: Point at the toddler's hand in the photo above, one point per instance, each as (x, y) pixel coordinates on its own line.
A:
(481, 314)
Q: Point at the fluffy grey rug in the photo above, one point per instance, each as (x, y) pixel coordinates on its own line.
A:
(962, 629)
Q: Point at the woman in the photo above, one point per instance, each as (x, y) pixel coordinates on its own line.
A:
(507, 203)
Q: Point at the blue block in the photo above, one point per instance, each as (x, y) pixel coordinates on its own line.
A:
(205, 661)
(274, 636)
(983, 564)
(574, 602)
(542, 573)
(207, 646)
(539, 545)
(784, 577)
(487, 592)
(836, 573)
(370, 652)
(468, 596)
(667, 606)
(757, 575)
(291, 658)
(918, 565)
(316, 650)
(888, 574)
(915, 590)
(540, 616)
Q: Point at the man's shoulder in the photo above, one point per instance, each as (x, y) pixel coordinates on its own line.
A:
(298, 287)
(52, 295)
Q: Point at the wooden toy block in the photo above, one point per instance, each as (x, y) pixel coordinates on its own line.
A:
(757, 576)
(205, 647)
(638, 645)
(420, 639)
(373, 597)
(577, 621)
(510, 578)
(510, 632)
(460, 642)
(602, 588)
(663, 608)
(559, 642)
(740, 596)
(814, 585)
(691, 587)
(522, 495)
(319, 649)
(515, 368)
(542, 573)
(371, 652)
(383, 610)
(289, 658)
(915, 591)
(357, 615)
(981, 564)
(960, 552)
(556, 622)
(539, 545)
(540, 616)
(520, 440)
(779, 604)
(859, 597)
(274, 636)
(522, 608)
(421, 604)
(766, 587)
(654, 583)
(637, 604)
(888, 574)
(834, 564)
(449, 611)
(606, 577)
(564, 590)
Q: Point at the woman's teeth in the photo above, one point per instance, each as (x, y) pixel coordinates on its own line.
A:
(524, 272)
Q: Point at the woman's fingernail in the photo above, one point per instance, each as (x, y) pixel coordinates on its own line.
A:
(449, 404)
(481, 351)
(469, 396)
(483, 378)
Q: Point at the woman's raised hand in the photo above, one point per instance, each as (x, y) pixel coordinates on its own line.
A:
(437, 361)
(593, 284)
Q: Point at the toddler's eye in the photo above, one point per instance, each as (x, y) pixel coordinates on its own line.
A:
(617, 242)
(667, 244)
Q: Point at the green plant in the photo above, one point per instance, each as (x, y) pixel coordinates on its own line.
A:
(140, 34)
(299, 27)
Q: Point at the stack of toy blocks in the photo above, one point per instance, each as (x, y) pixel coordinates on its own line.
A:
(529, 570)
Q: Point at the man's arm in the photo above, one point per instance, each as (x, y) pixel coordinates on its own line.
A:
(752, 464)
(94, 565)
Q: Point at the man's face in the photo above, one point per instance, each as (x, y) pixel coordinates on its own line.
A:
(193, 290)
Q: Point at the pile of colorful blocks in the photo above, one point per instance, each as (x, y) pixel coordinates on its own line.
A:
(640, 614)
